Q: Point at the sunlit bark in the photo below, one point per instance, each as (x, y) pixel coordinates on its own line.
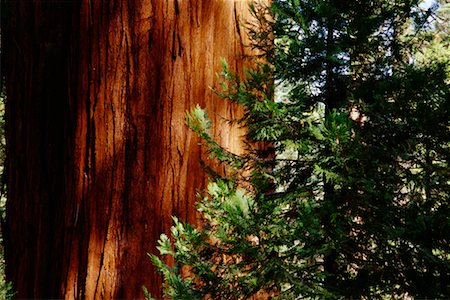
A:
(99, 158)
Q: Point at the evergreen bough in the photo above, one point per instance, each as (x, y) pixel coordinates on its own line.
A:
(353, 200)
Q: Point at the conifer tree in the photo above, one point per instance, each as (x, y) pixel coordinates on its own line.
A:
(355, 202)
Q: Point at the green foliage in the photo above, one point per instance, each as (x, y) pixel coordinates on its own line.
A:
(355, 202)
(199, 122)
(2, 152)
(6, 288)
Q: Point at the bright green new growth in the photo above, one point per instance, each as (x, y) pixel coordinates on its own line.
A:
(355, 201)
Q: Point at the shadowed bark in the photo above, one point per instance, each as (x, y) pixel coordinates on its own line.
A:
(98, 156)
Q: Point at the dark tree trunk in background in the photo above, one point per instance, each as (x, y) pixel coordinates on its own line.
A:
(98, 156)
(34, 65)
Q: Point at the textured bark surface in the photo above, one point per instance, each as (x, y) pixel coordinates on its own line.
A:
(99, 158)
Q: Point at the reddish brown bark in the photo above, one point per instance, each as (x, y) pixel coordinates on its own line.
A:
(99, 158)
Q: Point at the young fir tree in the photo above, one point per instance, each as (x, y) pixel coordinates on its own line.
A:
(355, 202)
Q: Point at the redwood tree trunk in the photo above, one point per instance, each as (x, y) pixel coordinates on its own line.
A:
(98, 156)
